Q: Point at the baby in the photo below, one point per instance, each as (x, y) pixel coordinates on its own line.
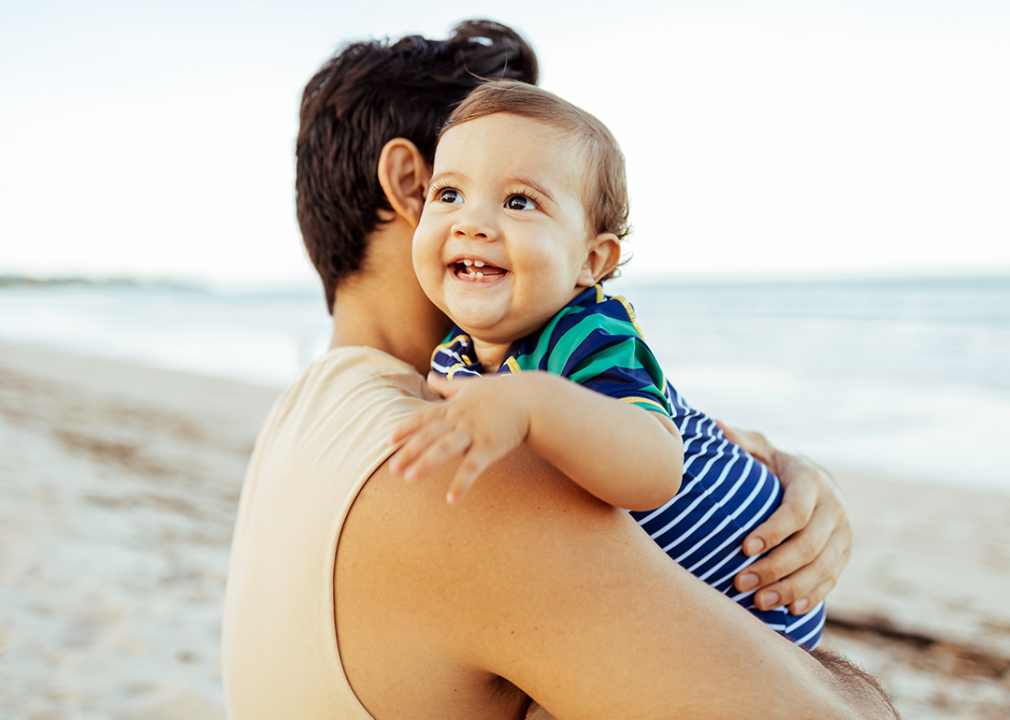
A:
(523, 220)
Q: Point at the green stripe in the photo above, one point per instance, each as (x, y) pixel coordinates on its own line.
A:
(631, 353)
(571, 340)
(621, 355)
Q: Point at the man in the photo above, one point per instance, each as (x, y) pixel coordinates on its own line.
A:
(531, 588)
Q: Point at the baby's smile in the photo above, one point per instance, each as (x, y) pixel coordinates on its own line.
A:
(476, 270)
(502, 240)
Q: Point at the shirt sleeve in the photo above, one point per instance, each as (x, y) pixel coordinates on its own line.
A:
(604, 351)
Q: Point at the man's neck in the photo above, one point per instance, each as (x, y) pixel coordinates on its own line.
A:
(382, 305)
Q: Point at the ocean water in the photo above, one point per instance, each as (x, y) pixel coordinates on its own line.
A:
(908, 378)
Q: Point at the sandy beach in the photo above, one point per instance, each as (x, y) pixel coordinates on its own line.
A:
(118, 489)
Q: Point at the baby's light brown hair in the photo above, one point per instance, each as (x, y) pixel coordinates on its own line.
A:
(605, 192)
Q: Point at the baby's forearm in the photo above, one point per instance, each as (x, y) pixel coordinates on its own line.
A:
(624, 455)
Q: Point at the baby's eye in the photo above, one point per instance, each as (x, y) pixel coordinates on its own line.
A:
(448, 195)
(520, 202)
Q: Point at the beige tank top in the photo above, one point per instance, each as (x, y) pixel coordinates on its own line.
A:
(321, 441)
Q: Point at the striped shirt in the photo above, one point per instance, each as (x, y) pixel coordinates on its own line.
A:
(595, 341)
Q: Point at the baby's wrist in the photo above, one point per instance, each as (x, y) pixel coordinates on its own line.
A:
(525, 388)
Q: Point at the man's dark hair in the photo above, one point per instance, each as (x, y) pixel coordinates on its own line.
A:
(363, 97)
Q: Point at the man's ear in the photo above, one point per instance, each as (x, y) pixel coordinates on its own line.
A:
(604, 254)
(404, 176)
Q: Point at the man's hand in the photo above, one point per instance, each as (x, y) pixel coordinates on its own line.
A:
(810, 532)
(481, 422)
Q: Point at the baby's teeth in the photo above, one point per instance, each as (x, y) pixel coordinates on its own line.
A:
(480, 275)
(478, 263)
(468, 263)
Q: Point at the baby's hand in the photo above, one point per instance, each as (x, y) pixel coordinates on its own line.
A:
(481, 421)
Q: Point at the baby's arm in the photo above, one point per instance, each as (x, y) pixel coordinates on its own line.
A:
(624, 455)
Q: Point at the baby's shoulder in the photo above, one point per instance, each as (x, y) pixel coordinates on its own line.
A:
(593, 329)
(592, 311)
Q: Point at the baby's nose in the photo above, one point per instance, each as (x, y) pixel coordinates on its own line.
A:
(475, 227)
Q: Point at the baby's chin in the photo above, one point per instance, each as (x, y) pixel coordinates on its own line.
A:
(491, 319)
(501, 332)
(479, 317)
(488, 330)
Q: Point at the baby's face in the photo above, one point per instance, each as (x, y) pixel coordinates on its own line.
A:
(503, 237)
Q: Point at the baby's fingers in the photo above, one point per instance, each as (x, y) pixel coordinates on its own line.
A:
(419, 434)
(411, 425)
(443, 448)
(473, 465)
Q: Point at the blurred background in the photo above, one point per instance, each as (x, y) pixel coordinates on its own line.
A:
(821, 201)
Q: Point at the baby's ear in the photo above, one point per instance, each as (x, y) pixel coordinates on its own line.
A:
(604, 254)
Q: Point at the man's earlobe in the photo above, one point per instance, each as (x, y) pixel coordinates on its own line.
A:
(603, 257)
(404, 175)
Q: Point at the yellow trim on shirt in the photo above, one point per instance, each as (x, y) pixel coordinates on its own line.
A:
(513, 366)
(446, 344)
(599, 293)
(636, 399)
(453, 369)
(631, 314)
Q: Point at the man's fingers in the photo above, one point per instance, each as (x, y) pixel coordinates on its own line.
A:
(797, 586)
(809, 601)
(729, 432)
(811, 582)
(788, 558)
(752, 441)
(798, 503)
(785, 522)
(806, 566)
(801, 592)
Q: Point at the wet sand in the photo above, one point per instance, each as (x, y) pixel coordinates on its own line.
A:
(118, 489)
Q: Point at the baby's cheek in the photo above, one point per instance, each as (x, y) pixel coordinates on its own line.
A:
(425, 257)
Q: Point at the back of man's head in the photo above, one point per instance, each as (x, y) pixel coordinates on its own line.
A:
(363, 97)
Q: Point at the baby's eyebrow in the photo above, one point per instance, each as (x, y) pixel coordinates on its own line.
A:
(447, 175)
(535, 185)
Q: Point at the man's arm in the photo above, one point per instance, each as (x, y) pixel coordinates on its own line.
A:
(536, 581)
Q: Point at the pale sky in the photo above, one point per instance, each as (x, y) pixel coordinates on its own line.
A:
(774, 138)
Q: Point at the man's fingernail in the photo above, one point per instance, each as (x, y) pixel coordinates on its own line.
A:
(801, 606)
(769, 600)
(749, 582)
(754, 546)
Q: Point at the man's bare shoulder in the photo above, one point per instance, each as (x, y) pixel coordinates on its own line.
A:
(415, 576)
(532, 580)
(355, 394)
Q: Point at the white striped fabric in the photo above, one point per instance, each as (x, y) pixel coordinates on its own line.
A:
(724, 495)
